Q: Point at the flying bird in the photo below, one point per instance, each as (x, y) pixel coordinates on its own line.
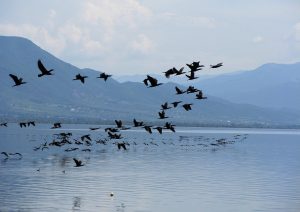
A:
(175, 104)
(162, 115)
(187, 107)
(79, 77)
(159, 129)
(169, 72)
(199, 95)
(152, 81)
(165, 106)
(179, 72)
(78, 163)
(217, 65)
(137, 123)
(169, 126)
(104, 76)
(119, 123)
(3, 124)
(191, 76)
(195, 66)
(122, 145)
(18, 81)
(31, 123)
(43, 69)
(191, 89)
(56, 125)
(94, 128)
(179, 91)
(22, 124)
(148, 129)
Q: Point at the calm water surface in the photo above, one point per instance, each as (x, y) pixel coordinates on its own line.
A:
(256, 170)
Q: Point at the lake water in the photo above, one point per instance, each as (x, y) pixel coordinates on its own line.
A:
(254, 170)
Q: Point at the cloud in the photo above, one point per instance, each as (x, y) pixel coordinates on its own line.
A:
(297, 32)
(143, 44)
(189, 20)
(258, 39)
(39, 35)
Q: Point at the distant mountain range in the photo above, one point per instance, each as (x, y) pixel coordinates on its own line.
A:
(59, 98)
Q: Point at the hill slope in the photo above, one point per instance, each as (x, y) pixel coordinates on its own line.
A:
(58, 97)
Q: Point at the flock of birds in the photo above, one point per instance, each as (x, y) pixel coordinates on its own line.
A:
(113, 133)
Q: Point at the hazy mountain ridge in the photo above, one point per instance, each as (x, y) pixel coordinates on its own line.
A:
(58, 97)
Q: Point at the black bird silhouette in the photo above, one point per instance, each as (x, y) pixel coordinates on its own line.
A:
(162, 115)
(148, 129)
(187, 107)
(137, 123)
(179, 72)
(31, 123)
(178, 91)
(104, 76)
(159, 129)
(191, 76)
(119, 123)
(5, 153)
(217, 65)
(78, 162)
(22, 124)
(79, 77)
(3, 124)
(71, 149)
(165, 106)
(175, 104)
(170, 126)
(111, 129)
(18, 81)
(200, 95)
(152, 81)
(56, 125)
(114, 135)
(191, 89)
(43, 69)
(94, 128)
(169, 72)
(122, 145)
(195, 66)
(87, 137)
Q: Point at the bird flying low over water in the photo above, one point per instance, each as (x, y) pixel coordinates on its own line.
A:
(159, 129)
(78, 163)
(94, 128)
(43, 69)
(162, 115)
(79, 77)
(148, 129)
(56, 125)
(121, 145)
(119, 123)
(187, 107)
(137, 123)
(170, 126)
(3, 124)
(22, 124)
(31, 123)
(152, 81)
(217, 65)
(104, 76)
(18, 81)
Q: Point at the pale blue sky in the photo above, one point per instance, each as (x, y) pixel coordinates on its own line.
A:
(150, 36)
